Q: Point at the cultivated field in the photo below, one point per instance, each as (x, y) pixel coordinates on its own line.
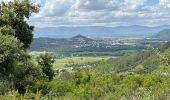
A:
(60, 63)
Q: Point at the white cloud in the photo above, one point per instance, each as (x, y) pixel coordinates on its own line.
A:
(101, 12)
(91, 5)
(56, 7)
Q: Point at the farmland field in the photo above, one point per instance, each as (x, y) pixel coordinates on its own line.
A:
(60, 63)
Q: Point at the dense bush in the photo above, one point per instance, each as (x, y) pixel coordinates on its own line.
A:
(16, 67)
(46, 61)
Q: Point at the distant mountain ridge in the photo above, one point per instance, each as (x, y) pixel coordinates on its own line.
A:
(98, 31)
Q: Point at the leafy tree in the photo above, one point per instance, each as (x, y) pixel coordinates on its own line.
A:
(16, 67)
(12, 20)
(46, 60)
(27, 74)
(10, 49)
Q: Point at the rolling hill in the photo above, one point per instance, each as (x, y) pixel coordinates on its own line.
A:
(154, 61)
(163, 35)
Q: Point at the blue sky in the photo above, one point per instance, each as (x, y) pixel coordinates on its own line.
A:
(57, 13)
(152, 2)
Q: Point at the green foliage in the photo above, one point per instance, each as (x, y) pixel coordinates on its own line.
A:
(59, 88)
(14, 95)
(17, 70)
(12, 20)
(46, 61)
(120, 64)
(139, 86)
(10, 51)
(42, 86)
(90, 85)
(27, 73)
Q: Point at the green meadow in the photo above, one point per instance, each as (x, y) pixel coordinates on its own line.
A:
(60, 63)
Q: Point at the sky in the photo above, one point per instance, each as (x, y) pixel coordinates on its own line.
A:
(55, 13)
